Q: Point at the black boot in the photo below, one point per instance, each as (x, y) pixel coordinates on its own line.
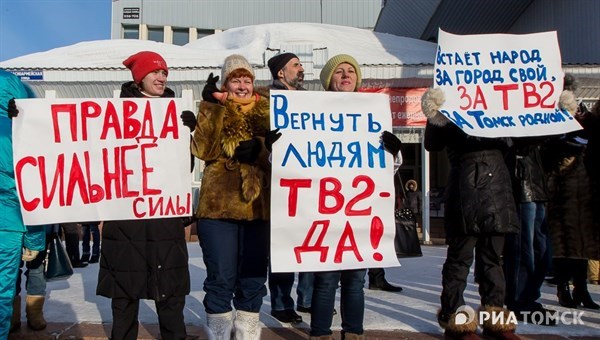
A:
(377, 281)
(564, 296)
(582, 296)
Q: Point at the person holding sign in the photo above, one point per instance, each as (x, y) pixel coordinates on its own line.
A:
(480, 210)
(233, 209)
(341, 73)
(17, 241)
(288, 74)
(145, 258)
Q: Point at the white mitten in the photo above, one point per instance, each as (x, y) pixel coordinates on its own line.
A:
(567, 102)
(431, 102)
(29, 255)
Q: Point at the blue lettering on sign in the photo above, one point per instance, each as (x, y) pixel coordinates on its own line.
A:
(544, 118)
(320, 121)
(491, 122)
(334, 155)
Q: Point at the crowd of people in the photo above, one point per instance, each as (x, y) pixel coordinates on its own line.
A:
(517, 207)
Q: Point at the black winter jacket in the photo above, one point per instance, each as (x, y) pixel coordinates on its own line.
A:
(478, 197)
(143, 259)
(530, 183)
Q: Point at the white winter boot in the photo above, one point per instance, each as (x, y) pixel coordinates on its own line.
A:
(219, 326)
(247, 326)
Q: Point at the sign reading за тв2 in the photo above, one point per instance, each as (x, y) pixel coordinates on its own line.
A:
(502, 85)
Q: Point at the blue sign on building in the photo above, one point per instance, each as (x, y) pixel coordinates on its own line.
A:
(29, 74)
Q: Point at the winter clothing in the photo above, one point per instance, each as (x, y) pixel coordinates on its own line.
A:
(219, 326)
(279, 61)
(526, 255)
(233, 62)
(414, 198)
(14, 235)
(143, 63)
(454, 330)
(479, 208)
(15, 322)
(331, 65)
(144, 259)
(230, 189)
(280, 284)
(247, 325)
(34, 305)
(478, 194)
(573, 228)
(351, 281)
(233, 207)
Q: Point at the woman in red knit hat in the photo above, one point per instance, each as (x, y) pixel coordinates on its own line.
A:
(146, 258)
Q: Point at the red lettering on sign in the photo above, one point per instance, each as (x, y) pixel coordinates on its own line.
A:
(318, 246)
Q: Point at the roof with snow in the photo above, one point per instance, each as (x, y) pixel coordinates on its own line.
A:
(254, 42)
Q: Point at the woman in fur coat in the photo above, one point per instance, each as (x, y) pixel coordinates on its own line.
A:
(479, 211)
(573, 229)
(233, 208)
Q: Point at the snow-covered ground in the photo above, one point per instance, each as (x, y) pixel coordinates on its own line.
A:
(75, 300)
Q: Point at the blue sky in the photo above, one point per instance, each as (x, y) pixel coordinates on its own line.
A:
(29, 26)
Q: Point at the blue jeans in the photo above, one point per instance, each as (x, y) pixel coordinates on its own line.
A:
(527, 258)
(90, 230)
(280, 288)
(36, 281)
(236, 257)
(304, 290)
(352, 302)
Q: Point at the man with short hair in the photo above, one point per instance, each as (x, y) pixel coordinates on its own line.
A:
(288, 74)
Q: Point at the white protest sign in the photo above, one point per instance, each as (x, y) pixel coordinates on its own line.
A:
(101, 159)
(502, 85)
(332, 188)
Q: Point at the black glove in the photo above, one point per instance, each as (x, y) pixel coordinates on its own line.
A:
(271, 137)
(189, 119)
(391, 143)
(210, 88)
(247, 151)
(12, 109)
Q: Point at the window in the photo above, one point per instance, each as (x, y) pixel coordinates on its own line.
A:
(156, 34)
(203, 33)
(131, 32)
(181, 36)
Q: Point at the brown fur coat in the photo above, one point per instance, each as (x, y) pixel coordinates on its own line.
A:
(232, 190)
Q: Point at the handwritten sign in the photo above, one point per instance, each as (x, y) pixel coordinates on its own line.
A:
(332, 190)
(101, 159)
(501, 85)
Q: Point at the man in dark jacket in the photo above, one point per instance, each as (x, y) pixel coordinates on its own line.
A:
(526, 255)
(479, 211)
(288, 74)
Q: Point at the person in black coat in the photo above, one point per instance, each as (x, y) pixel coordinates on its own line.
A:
(146, 258)
(527, 255)
(479, 211)
(572, 215)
